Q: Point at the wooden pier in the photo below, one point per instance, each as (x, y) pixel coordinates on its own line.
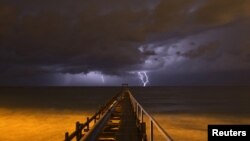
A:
(120, 119)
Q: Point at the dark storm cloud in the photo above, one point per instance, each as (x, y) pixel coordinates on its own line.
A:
(169, 15)
(222, 11)
(209, 51)
(39, 37)
(38, 33)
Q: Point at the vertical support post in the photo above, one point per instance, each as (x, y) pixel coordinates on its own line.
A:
(95, 117)
(151, 130)
(102, 109)
(66, 136)
(143, 131)
(137, 110)
(139, 113)
(141, 116)
(77, 131)
(134, 107)
(88, 123)
(133, 104)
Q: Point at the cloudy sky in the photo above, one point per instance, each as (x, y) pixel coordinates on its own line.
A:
(108, 42)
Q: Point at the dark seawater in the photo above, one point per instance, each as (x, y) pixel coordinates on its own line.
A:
(196, 100)
(60, 98)
(187, 110)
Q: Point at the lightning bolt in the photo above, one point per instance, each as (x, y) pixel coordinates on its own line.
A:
(143, 77)
(103, 81)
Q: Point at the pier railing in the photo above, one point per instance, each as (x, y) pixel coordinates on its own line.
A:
(82, 128)
(83, 131)
(140, 112)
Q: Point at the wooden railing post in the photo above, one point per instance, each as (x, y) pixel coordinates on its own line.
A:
(134, 106)
(102, 110)
(151, 130)
(87, 125)
(137, 110)
(98, 116)
(78, 132)
(66, 136)
(141, 116)
(143, 131)
(88, 121)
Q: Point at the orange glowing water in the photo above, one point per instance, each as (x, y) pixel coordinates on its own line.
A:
(184, 112)
(188, 127)
(50, 125)
(37, 125)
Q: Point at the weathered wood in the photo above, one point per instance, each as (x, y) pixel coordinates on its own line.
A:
(67, 136)
(85, 126)
(151, 131)
(128, 129)
(153, 122)
(78, 131)
(120, 119)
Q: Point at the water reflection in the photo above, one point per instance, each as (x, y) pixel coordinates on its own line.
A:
(39, 113)
(189, 127)
(38, 125)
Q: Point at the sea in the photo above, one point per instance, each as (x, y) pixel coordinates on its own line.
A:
(184, 112)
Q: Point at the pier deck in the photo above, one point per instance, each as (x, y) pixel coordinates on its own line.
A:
(120, 119)
(128, 128)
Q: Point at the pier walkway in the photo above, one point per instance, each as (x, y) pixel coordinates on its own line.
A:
(120, 119)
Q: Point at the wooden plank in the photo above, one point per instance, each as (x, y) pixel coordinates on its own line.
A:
(128, 130)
